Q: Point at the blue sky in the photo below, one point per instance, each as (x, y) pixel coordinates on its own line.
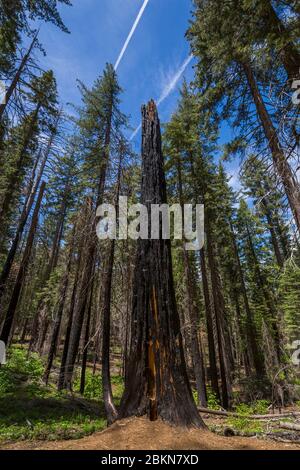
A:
(98, 30)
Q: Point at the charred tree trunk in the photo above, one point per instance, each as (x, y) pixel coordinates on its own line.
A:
(87, 260)
(9, 318)
(156, 380)
(210, 328)
(60, 309)
(223, 345)
(86, 339)
(61, 379)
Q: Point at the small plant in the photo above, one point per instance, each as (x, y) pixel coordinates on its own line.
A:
(212, 401)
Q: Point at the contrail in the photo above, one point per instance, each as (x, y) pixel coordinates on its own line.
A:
(168, 89)
(135, 24)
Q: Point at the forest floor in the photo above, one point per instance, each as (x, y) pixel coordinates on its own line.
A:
(140, 433)
(35, 416)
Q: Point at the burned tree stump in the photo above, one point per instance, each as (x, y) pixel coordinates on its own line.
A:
(156, 381)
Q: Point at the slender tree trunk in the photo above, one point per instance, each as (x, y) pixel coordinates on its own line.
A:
(60, 309)
(86, 340)
(275, 241)
(250, 322)
(111, 411)
(31, 193)
(42, 308)
(88, 259)
(110, 408)
(61, 379)
(223, 346)
(267, 295)
(16, 78)
(10, 190)
(210, 328)
(196, 350)
(282, 166)
(9, 318)
(156, 378)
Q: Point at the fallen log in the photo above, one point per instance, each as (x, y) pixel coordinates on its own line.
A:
(290, 426)
(238, 415)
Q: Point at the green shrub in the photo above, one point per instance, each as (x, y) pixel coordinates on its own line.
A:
(212, 401)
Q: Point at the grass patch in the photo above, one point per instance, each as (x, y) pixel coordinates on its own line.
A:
(30, 410)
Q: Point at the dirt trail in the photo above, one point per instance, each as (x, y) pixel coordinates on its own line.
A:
(140, 433)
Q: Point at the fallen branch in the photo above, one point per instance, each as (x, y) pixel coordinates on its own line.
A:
(291, 426)
(238, 415)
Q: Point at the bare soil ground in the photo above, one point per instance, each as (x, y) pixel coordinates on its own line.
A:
(140, 433)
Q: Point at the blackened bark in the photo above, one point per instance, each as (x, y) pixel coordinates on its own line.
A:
(9, 318)
(87, 259)
(213, 368)
(86, 339)
(220, 316)
(61, 379)
(156, 379)
(60, 309)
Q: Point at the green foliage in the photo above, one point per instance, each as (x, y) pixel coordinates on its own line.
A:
(290, 299)
(212, 401)
(243, 423)
(21, 374)
(48, 419)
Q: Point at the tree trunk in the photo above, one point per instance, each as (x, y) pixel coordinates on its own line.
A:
(10, 190)
(213, 368)
(223, 345)
(31, 192)
(16, 78)
(86, 340)
(267, 295)
(9, 318)
(61, 379)
(289, 54)
(87, 261)
(282, 166)
(110, 408)
(60, 309)
(250, 322)
(196, 350)
(156, 378)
